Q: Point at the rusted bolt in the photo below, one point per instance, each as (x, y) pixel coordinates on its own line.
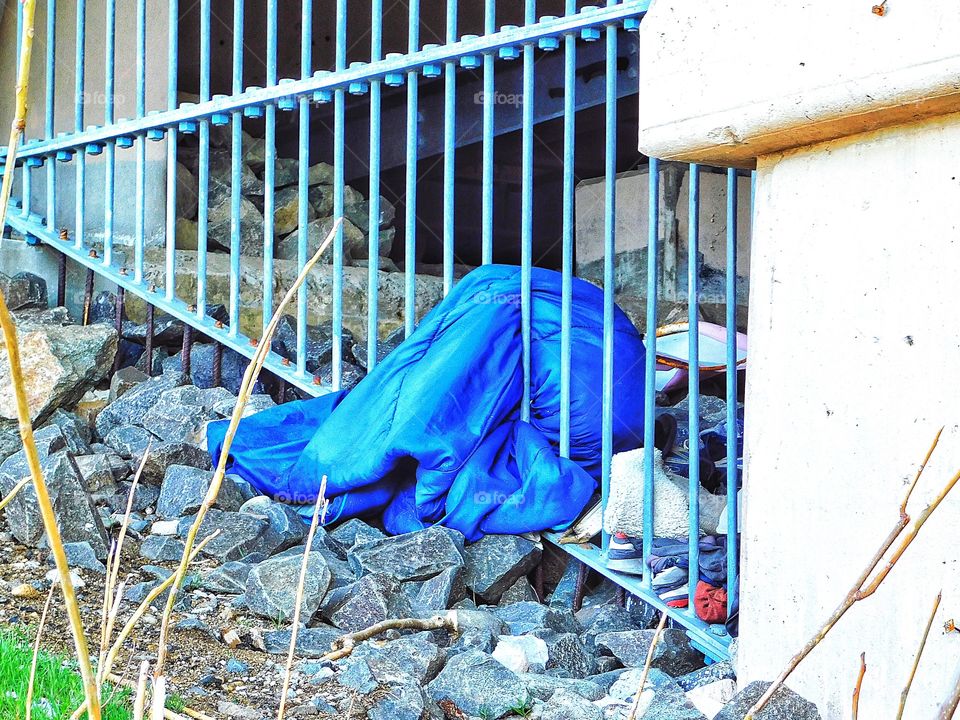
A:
(880, 9)
(63, 233)
(316, 379)
(218, 325)
(93, 254)
(151, 288)
(285, 362)
(191, 308)
(123, 271)
(950, 626)
(254, 342)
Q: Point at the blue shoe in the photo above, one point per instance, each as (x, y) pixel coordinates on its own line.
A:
(625, 555)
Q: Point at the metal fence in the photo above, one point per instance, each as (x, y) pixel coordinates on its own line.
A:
(579, 38)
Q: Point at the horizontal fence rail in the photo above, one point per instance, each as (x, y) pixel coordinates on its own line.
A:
(317, 109)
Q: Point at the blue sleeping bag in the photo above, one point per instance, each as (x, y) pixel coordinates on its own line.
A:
(433, 434)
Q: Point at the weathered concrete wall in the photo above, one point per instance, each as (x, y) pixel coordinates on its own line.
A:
(854, 360)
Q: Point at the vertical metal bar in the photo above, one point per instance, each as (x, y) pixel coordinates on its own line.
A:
(87, 297)
(609, 259)
(306, 61)
(339, 119)
(148, 345)
(566, 283)
(489, 90)
(118, 323)
(650, 376)
(62, 276)
(81, 161)
(141, 177)
(693, 418)
(449, 150)
(526, 211)
(269, 167)
(203, 162)
(26, 185)
(235, 169)
(580, 585)
(373, 262)
(170, 278)
(186, 349)
(217, 369)
(110, 149)
(731, 301)
(50, 109)
(410, 214)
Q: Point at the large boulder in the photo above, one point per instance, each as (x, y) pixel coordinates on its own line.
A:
(478, 686)
(496, 562)
(133, 406)
(239, 535)
(272, 587)
(674, 654)
(76, 515)
(285, 528)
(784, 705)
(184, 489)
(414, 556)
(60, 363)
(371, 599)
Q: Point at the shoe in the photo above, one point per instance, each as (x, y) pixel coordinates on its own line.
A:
(624, 556)
(670, 578)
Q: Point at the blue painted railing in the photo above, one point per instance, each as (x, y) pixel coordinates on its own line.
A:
(485, 54)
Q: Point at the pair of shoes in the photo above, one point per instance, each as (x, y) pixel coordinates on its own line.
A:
(625, 554)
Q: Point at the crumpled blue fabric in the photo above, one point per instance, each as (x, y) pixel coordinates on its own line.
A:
(433, 434)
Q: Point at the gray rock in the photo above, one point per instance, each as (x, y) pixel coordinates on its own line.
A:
(414, 556)
(145, 496)
(125, 379)
(162, 549)
(480, 620)
(523, 617)
(82, 555)
(285, 527)
(231, 578)
(562, 595)
(670, 703)
(49, 439)
(440, 591)
(311, 641)
(495, 562)
(371, 599)
(608, 678)
(479, 639)
(96, 472)
(706, 675)
(320, 174)
(162, 455)
(603, 619)
(76, 515)
(416, 655)
(287, 210)
(272, 587)
(628, 681)
(239, 535)
(784, 705)
(23, 290)
(354, 241)
(520, 591)
(133, 406)
(565, 705)
(61, 363)
(674, 654)
(478, 686)
(566, 651)
(250, 223)
(184, 489)
(76, 431)
(405, 701)
(255, 404)
(355, 532)
(178, 414)
(130, 440)
(542, 687)
(356, 675)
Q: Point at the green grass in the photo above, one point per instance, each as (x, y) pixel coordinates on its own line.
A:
(57, 683)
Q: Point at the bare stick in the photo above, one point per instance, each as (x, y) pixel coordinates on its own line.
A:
(13, 493)
(859, 685)
(158, 699)
(167, 713)
(140, 697)
(343, 646)
(36, 652)
(646, 666)
(861, 588)
(949, 707)
(295, 627)
(43, 500)
(916, 659)
(249, 378)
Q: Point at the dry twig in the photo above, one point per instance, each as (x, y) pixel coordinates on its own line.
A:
(320, 509)
(13, 493)
(140, 691)
(36, 652)
(864, 587)
(343, 646)
(246, 386)
(949, 707)
(646, 666)
(859, 685)
(916, 659)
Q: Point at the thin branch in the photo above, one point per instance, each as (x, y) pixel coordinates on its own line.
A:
(295, 627)
(249, 378)
(158, 699)
(140, 691)
(859, 685)
(167, 713)
(916, 659)
(36, 652)
(861, 588)
(949, 706)
(343, 646)
(13, 493)
(646, 666)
